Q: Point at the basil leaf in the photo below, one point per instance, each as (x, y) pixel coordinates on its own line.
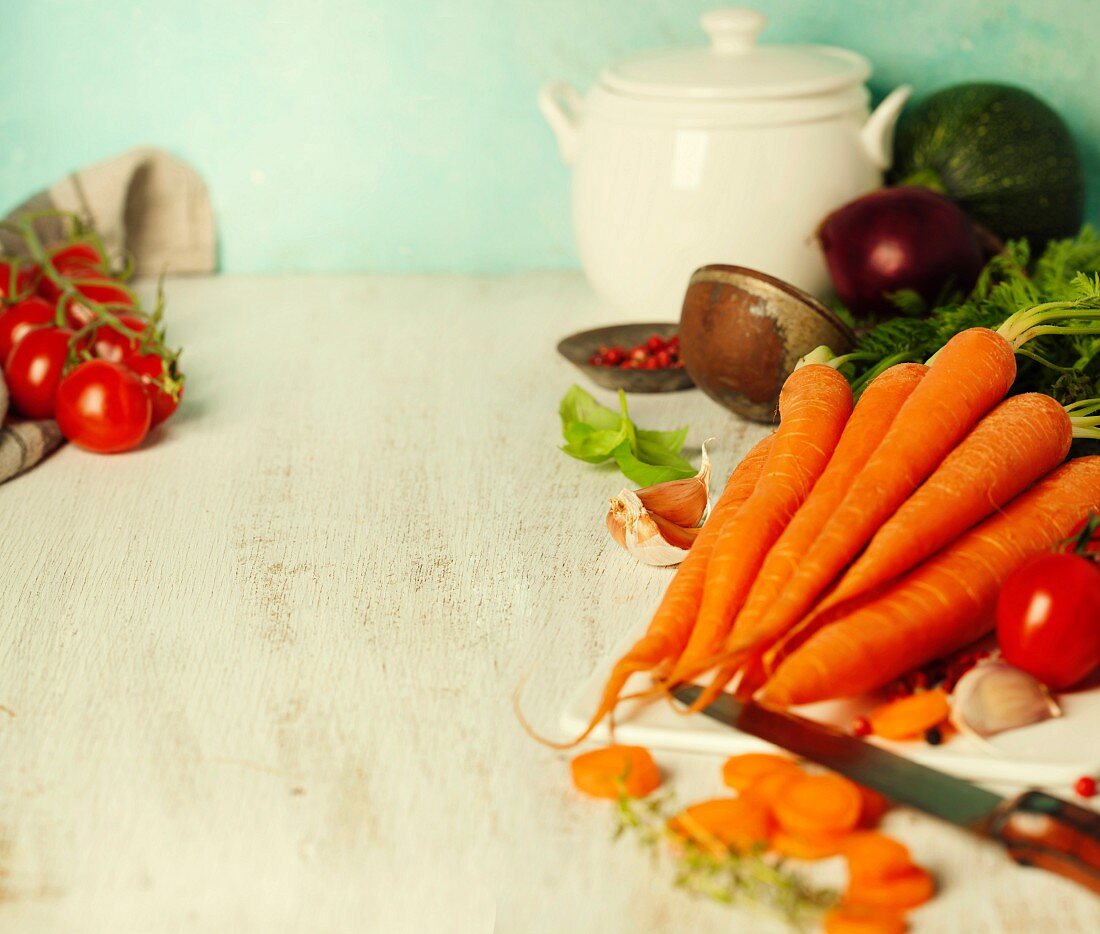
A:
(669, 440)
(644, 474)
(578, 406)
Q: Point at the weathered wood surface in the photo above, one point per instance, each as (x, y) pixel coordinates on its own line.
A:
(257, 675)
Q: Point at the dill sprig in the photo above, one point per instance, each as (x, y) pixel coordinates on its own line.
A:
(1063, 363)
(718, 872)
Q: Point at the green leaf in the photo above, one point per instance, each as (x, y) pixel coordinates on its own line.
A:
(578, 406)
(658, 454)
(597, 446)
(644, 474)
(672, 441)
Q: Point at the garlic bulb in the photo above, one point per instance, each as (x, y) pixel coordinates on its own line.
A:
(658, 524)
(994, 697)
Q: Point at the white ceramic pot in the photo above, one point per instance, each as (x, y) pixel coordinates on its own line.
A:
(728, 154)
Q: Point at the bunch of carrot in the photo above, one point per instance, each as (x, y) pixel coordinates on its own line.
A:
(781, 809)
(864, 539)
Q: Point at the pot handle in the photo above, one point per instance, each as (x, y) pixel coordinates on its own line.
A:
(877, 134)
(561, 105)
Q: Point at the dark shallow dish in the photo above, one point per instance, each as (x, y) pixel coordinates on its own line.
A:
(578, 348)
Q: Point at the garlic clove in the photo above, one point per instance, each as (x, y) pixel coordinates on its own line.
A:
(994, 697)
(681, 502)
(660, 523)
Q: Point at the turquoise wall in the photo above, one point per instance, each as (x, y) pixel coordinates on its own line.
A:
(403, 134)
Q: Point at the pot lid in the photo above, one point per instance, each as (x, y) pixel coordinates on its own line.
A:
(734, 67)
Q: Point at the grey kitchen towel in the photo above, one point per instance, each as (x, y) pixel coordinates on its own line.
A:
(145, 201)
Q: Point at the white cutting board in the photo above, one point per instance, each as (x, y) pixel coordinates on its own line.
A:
(1054, 753)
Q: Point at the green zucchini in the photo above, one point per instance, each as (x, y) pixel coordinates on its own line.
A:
(1004, 156)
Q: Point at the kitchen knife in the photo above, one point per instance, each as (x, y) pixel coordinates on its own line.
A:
(1036, 828)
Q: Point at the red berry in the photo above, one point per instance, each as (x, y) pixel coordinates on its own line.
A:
(614, 355)
(651, 364)
(597, 359)
(674, 341)
(655, 343)
(639, 353)
(1085, 786)
(662, 358)
(861, 726)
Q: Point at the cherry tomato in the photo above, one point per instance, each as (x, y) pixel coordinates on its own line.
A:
(81, 254)
(109, 344)
(17, 279)
(1048, 618)
(16, 320)
(157, 375)
(98, 288)
(33, 370)
(103, 407)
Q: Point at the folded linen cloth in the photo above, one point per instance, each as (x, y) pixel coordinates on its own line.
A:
(145, 202)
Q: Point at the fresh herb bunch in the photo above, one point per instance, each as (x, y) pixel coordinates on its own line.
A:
(718, 872)
(1066, 366)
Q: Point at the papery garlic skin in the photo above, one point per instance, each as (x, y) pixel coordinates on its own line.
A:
(659, 523)
(994, 697)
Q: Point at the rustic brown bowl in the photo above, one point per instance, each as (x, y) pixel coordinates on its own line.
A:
(578, 349)
(742, 332)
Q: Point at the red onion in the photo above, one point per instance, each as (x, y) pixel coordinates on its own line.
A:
(899, 238)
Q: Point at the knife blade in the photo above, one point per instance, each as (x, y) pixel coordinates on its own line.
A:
(1037, 829)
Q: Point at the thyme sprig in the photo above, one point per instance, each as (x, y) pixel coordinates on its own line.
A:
(708, 868)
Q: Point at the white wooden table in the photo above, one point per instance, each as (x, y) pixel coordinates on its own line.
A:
(256, 676)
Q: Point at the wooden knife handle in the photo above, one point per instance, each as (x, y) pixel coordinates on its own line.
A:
(1040, 830)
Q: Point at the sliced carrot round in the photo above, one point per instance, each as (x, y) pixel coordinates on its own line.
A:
(874, 806)
(807, 846)
(815, 804)
(910, 716)
(741, 771)
(875, 857)
(616, 770)
(740, 823)
(769, 786)
(863, 919)
(913, 887)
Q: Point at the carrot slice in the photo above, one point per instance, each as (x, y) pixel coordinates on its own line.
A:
(770, 786)
(615, 770)
(808, 846)
(863, 919)
(817, 803)
(740, 823)
(874, 857)
(874, 806)
(741, 771)
(910, 716)
(913, 887)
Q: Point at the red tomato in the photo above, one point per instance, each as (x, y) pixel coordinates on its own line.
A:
(16, 320)
(33, 370)
(17, 278)
(81, 254)
(158, 376)
(104, 290)
(109, 344)
(1048, 618)
(103, 407)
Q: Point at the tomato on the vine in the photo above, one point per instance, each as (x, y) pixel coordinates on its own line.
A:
(80, 254)
(97, 288)
(158, 376)
(1048, 618)
(103, 407)
(16, 320)
(109, 344)
(17, 279)
(34, 368)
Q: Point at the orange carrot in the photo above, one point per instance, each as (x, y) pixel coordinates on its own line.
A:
(770, 787)
(671, 625)
(910, 716)
(909, 889)
(816, 804)
(741, 823)
(615, 770)
(808, 846)
(943, 604)
(874, 806)
(742, 771)
(863, 919)
(970, 375)
(814, 406)
(874, 857)
(1021, 440)
(871, 419)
